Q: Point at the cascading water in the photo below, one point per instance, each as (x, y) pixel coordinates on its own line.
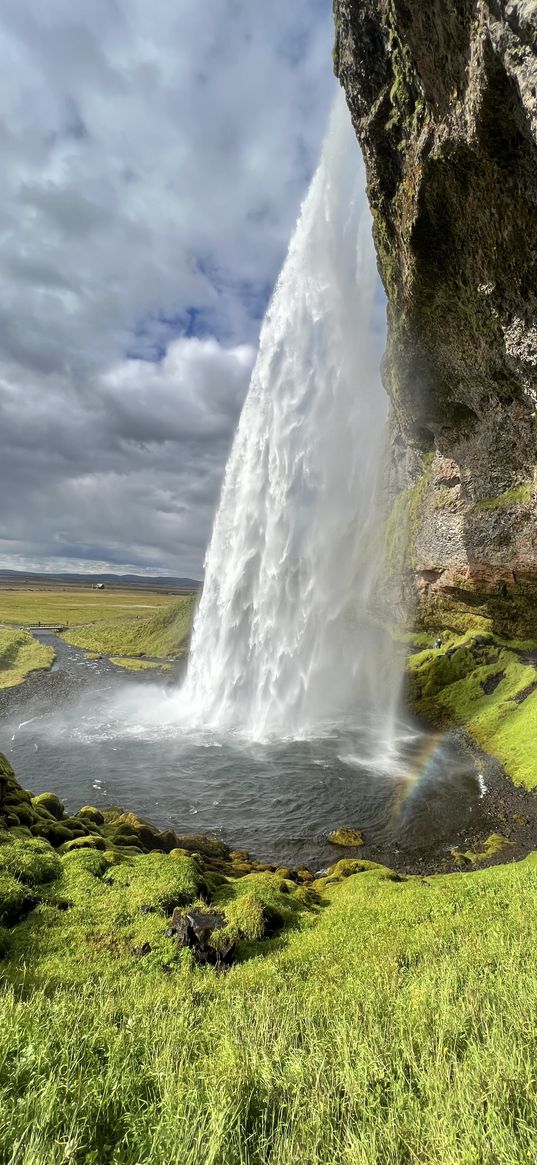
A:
(287, 640)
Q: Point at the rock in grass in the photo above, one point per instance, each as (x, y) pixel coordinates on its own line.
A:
(51, 803)
(346, 837)
(198, 931)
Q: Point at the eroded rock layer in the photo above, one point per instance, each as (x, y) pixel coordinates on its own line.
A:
(443, 97)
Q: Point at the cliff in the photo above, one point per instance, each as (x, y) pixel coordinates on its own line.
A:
(443, 97)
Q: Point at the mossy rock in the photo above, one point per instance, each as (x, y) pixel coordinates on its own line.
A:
(5, 767)
(250, 918)
(240, 869)
(78, 827)
(129, 824)
(169, 840)
(20, 831)
(24, 813)
(12, 820)
(85, 861)
(346, 868)
(54, 831)
(154, 879)
(112, 812)
(91, 841)
(346, 838)
(91, 814)
(493, 845)
(208, 847)
(51, 803)
(125, 841)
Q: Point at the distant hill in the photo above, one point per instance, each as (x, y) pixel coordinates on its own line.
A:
(161, 582)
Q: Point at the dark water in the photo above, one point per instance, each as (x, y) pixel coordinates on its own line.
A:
(99, 736)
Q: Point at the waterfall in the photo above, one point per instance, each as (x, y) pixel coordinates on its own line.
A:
(288, 639)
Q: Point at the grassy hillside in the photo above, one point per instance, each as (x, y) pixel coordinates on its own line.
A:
(163, 635)
(20, 654)
(489, 686)
(388, 1021)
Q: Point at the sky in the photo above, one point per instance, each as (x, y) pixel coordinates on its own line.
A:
(154, 159)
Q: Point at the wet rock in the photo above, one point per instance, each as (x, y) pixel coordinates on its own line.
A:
(346, 837)
(443, 97)
(491, 683)
(168, 840)
(196, 930)
(144, 949)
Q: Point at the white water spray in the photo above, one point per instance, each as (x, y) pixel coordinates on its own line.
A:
(287, 641)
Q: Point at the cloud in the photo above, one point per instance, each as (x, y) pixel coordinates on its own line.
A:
(154, 159)
(130, 473)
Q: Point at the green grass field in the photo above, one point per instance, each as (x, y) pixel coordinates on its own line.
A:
(20, 654)
(390, 1023)
(122, 624)
(77, 605)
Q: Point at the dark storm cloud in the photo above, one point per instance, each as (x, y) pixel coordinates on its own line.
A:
(154, 160)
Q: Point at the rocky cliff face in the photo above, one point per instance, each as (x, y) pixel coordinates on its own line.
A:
(443, 95)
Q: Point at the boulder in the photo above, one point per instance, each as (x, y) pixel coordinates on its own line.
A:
(51, 803)
(91, 814)
(346, 837)
(208, 847)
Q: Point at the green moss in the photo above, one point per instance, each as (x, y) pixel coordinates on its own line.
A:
(346, 837)
(32, 861)
(402, 525)
(88, 842)
(158, 880)
(92, 814)
(518, 494)
(51, 803)
(493, 845)
(453, 689)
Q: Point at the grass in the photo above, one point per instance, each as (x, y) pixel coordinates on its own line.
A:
(163, 635)
(391, 1024)
(76, 605)
(519, 493)
(448, 684)
(137, 664)
(21, 654)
